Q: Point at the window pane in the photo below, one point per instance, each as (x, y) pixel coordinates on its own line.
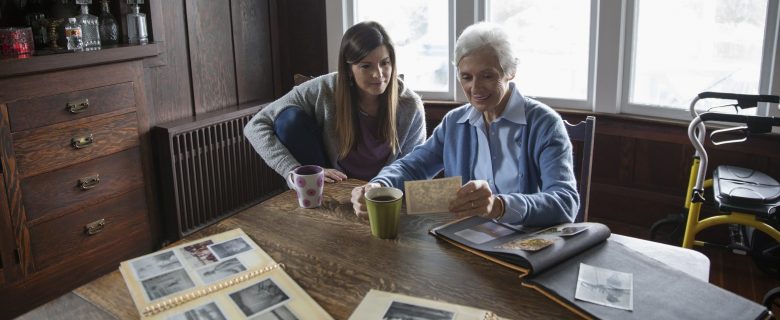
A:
(419, 29)
(551, 39)
(684, 47)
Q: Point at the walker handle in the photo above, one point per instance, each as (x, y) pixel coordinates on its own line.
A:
(744, 101)
(755, 124)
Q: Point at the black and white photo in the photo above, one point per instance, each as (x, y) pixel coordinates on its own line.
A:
(405, 311)
(167, 284)
(280, 313)
(221, 270)
(156, 264)
(230, 248)
(485, 232)
(206, 312)
(605, 287)
(259, 297)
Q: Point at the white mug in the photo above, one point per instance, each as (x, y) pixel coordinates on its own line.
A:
(307, 181)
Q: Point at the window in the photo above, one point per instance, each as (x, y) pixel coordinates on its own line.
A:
(641, 57)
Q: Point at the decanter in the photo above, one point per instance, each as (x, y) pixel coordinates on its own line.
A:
(89, 26)
(73, 35)
(109, 32)
(136, 24)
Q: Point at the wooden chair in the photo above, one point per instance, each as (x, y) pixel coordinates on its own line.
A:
(581, 136)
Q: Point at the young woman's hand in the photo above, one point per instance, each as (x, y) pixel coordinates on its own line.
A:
(359, 199)
(333, 175)
(476, 199)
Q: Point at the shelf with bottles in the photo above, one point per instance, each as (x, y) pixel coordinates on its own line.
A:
(113, 22)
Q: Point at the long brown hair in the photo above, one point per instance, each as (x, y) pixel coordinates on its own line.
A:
(356, 44)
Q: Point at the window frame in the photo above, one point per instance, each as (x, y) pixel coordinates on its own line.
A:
(612, 38)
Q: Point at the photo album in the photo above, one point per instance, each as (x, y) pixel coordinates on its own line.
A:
(386, 305)
(579, 267)
(223, 276)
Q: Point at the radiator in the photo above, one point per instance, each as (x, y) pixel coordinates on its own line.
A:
(208, 170)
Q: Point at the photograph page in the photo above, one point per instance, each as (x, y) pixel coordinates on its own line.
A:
(211, 278)
(528, 250)
(386, 305)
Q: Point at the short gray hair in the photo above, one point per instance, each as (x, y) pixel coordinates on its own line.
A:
(487, 35)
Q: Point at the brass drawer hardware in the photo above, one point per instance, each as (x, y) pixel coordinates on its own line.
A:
(90, 182)
(77, 106)
(95, 227)
(82, 142)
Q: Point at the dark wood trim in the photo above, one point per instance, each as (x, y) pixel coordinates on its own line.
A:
(13, 191)
(15, 67)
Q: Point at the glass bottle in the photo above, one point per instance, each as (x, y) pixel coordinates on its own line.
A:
(109, 32)
(89, 26)
(73, 35)
(136, 24)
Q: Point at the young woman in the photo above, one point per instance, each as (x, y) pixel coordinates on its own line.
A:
(351, 122)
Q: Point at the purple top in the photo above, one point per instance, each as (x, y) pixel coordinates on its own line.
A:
(370, 155)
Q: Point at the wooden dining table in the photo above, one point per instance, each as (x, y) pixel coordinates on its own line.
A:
(330, 253)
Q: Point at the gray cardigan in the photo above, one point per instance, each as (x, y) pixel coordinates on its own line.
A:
(317, 98)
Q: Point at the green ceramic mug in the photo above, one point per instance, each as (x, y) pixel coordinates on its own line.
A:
(384, 211)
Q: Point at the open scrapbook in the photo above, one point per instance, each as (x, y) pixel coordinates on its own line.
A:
(224, 276)
(551, 261)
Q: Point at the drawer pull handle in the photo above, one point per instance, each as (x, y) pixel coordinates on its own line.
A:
(90, 182)
(82, 142)
(77, 106)
(95, 227)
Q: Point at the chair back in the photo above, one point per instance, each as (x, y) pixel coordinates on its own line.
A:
(581, 136)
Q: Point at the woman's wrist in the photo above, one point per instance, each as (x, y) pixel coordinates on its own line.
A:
(499, 208)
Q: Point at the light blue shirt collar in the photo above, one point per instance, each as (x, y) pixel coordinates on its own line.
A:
(514, 111)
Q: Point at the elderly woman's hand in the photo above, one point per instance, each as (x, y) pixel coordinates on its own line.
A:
(476, 199)
(333, 175)
(359, 199)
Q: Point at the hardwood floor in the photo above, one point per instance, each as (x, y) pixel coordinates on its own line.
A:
(733, 272)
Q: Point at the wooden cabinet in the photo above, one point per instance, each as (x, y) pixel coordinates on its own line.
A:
(74, 177)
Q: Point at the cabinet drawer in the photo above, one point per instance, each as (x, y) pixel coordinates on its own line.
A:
(67, 237)
(43, 111)
(50, 148)
(82, 185)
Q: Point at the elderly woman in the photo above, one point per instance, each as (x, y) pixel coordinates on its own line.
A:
(352, 122)
(513, 151)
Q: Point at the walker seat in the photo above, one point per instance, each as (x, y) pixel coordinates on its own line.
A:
(746, 190)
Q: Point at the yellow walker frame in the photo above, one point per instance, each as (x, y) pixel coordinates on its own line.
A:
(755, 216)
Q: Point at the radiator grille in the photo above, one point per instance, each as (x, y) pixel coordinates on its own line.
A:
(210, 171)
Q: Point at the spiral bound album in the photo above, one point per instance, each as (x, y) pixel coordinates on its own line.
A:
(223, 276)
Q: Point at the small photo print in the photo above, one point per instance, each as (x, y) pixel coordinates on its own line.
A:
(280, 313)
(485, 232)
(221, 270)
(230, 248)
(259, 297)
(156, 264)
(533, 244)
(605, 287)
(401, 310)
(572, 230)
(205, 312)
(198, 254)
(167, 284)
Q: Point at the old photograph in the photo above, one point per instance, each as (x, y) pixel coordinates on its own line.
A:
(221, 270)
(280, 313)
(156, 264)
(259, 297)
(406, 311)
(206, 312)
(485, 232)
(605, 287)
(198, 254)
(167, 284)
(230, 248)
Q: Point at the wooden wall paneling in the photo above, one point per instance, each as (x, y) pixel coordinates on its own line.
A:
(169, 86)
(283, 77)
(252, 49)
(211, 54)
(301, 46)
(656, 167)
